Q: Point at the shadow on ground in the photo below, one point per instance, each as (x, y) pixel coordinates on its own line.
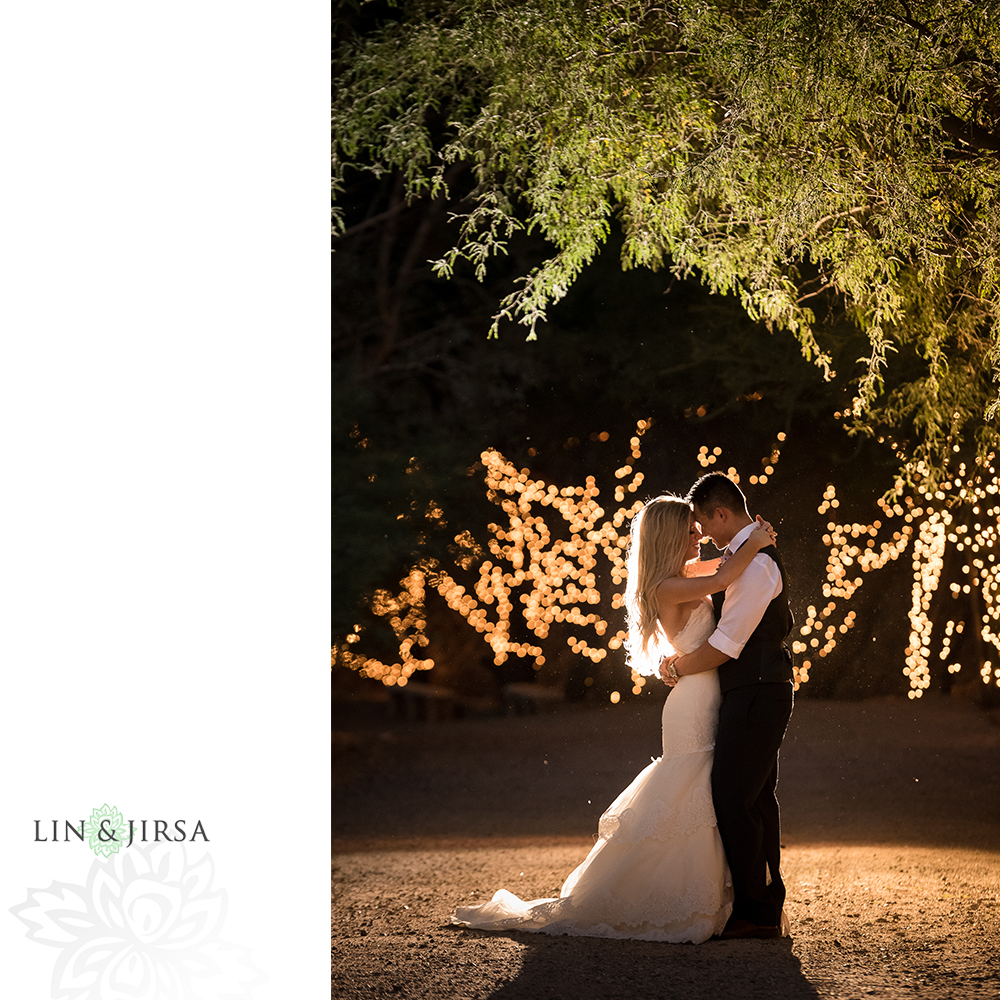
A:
(563, 969)
(891, 819)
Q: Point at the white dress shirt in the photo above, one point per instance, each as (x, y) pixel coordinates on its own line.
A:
(747, 598)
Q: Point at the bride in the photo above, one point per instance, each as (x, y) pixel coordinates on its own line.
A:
(657, 871)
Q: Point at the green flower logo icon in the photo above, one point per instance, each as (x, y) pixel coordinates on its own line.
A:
(108, 831)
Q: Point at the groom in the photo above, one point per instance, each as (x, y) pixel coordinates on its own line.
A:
(755, 675)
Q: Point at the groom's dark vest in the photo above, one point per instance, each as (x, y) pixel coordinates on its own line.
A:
(765, 659)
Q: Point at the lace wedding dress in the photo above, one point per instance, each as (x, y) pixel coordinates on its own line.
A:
(658, 871)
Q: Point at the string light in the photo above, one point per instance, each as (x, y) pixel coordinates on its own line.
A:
(929, 520)
(543, 562)
(406, 616)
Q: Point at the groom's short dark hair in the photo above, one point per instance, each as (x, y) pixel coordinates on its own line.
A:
(717, 490)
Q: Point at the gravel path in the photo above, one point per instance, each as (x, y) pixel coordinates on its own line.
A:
(891, 821)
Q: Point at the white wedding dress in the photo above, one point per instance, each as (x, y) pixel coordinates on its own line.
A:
(658, 870)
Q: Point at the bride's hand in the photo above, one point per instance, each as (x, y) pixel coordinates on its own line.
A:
(763, 534)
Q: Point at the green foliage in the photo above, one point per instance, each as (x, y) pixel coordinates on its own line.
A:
(409, 430)
(795, 154)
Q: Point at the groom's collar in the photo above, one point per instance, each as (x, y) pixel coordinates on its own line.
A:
(740, 537)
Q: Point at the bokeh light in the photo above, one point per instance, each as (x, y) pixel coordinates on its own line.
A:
(405, 614)
(545, 561)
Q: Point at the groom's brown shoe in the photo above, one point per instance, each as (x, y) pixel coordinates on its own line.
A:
(737, 928)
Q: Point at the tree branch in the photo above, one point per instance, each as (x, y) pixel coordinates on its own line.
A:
(857, 210)
(373, 221)
(812, 295)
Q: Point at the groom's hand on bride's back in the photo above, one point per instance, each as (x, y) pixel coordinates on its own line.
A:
(668, 678)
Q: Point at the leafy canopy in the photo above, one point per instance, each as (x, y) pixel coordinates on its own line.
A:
(811, 157)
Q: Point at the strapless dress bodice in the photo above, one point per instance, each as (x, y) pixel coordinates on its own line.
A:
(699, 626)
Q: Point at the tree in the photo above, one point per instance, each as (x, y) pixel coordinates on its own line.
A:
(815, 158)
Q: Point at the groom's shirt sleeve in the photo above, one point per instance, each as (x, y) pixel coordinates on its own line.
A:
(747, 598)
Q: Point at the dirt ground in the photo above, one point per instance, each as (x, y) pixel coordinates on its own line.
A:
(891, 826)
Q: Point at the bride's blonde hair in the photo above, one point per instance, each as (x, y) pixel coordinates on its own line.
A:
(658, 545)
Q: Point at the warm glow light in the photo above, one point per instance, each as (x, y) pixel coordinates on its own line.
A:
(405, 612)
(931, 522)
(543, 564)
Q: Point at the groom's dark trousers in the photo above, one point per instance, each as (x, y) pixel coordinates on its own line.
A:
(756, 705)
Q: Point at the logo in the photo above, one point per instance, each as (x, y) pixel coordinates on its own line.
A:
(102, 840)
(107, 831)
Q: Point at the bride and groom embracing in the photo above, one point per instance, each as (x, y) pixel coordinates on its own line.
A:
(690, 850)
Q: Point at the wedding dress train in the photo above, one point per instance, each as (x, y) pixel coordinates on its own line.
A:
(658, 870)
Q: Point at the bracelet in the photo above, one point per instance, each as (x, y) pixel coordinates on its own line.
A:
(672, 673)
